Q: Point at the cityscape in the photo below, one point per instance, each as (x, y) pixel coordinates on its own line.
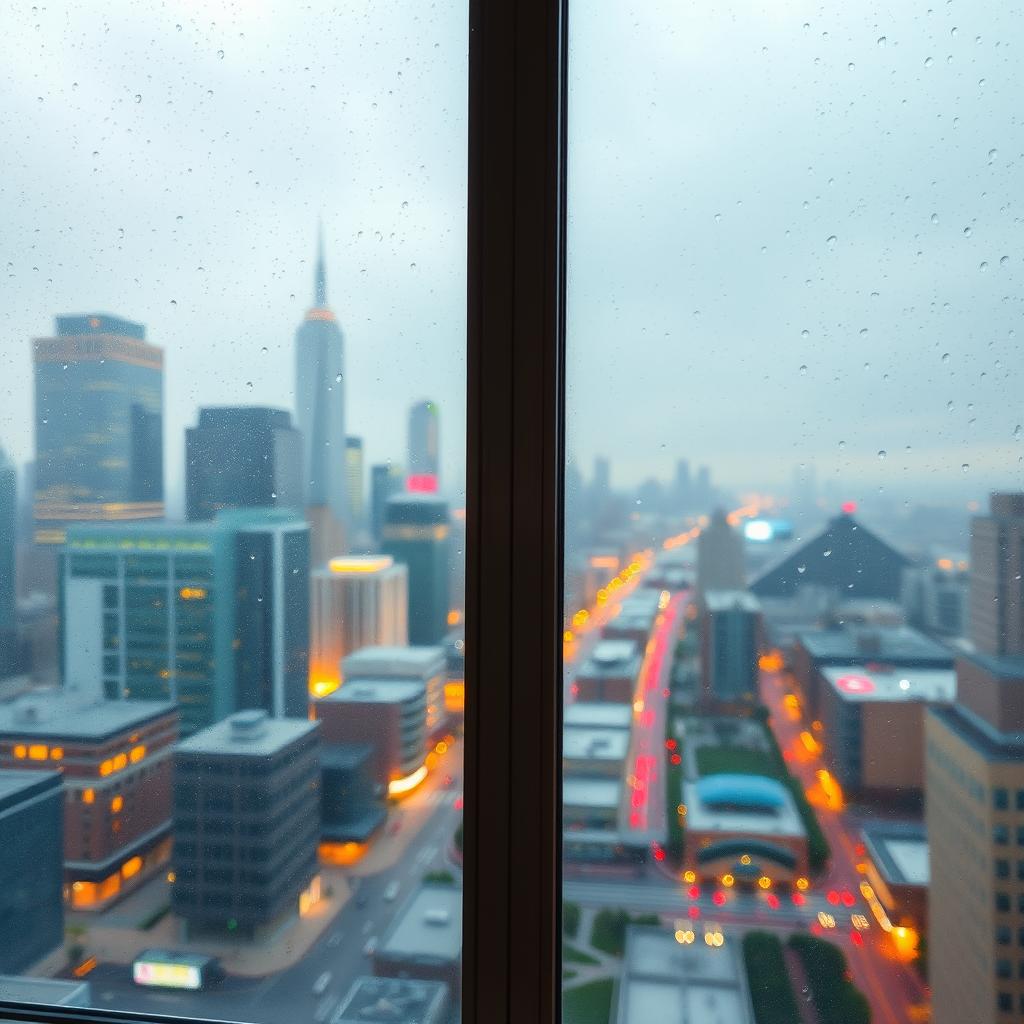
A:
(233, 514)
(230, 746)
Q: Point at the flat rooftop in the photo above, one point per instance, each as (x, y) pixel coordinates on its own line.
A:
(666, 981)
(58, 715)
(858, 683)
(247, 734)
(900, 852)
(428, 928)
(580, 744)
(14, 989)
(17, 785)
(731, 601)
(599, 714)
(876, 643)
(756, 818)
(579, 791)
(393, 1001)
(376, 691)
(378, 662)
(611, 658)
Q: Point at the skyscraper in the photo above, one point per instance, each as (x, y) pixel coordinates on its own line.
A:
(354, 480)
(8, 543)
(99, 425)
(214, 616)
(242, 457)
(415, 532)
(719, 556)
(974, 792)
(730, 641)
(424, 441)
(385, 480)
(320, 413)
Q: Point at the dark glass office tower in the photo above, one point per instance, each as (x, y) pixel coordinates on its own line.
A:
(254, 784)
(99, 425)
(415, 532)
(31, 866)
(242, 457)
(385, 481)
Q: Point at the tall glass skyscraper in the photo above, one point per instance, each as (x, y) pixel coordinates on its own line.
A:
(99, 425)
(8, 541)
(320, 413)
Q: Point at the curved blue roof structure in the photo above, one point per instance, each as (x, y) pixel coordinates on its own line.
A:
(757, 792)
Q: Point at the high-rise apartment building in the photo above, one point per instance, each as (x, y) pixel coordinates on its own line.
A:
(385, 481)
(246, 825)
(31, 855)
(354, 472)
(415, 533)
(997, 568)
(424, 441)
(99, 425)
(974, 794)
(115, 759)
(357, 601)
(730, 634)
(720, 556)
(242, 457)
(213, 616)
(320, 414)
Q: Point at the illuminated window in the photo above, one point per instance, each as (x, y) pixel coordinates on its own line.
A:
(119, 762)
(131, 867)
(88, 796)
(20, 751)
(56, 753)
(38, 752)
(117, 803)
(137, 754)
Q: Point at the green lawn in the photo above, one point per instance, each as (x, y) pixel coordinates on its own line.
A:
(770, 989)
(717, 760)
(588, 1004)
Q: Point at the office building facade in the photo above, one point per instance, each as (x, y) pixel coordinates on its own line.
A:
(246, 825)
(357, 601)
(31, 859)
(99, 425)
(424, 441)
(8, 566)
(416, 534)
(213, 616)
(385, 481)
(997, 567)
(320, 414)
(115, 759)
(354, 473)
(242, 457)
(730, 645)
(974, 797)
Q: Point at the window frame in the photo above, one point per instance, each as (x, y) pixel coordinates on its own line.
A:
(511, 968)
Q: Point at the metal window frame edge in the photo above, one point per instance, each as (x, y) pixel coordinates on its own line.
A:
(515, 470)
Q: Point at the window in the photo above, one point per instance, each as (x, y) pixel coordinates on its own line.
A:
(1003, 902)
(1003, 935)
(1002, 868)
(233, 438)
(1004, 969)
(1005, 1002)
(1000, 835)
(1000, 798)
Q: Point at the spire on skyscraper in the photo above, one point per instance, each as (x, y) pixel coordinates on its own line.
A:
(320, 294)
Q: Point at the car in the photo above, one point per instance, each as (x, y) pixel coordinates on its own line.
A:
(391, 891)
(321, 983)
(371, 946)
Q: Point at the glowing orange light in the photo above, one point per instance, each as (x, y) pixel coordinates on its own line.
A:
(106, 767)
(19, 751)
(137, 754)
(360, 565)
(323, 687)
(341, 854)
(88, 796)
(117, 803)
(131, 867)
(399, 787)
(38, 752)
(119, 761)
(56, 753)
(192, 593)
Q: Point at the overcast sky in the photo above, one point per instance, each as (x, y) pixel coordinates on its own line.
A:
(754, 189)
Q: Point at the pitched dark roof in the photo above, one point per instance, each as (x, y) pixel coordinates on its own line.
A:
(845, 556)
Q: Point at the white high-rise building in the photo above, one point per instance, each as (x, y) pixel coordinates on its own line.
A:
(320, 413)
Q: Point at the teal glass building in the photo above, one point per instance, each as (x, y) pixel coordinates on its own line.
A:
(213, 616)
